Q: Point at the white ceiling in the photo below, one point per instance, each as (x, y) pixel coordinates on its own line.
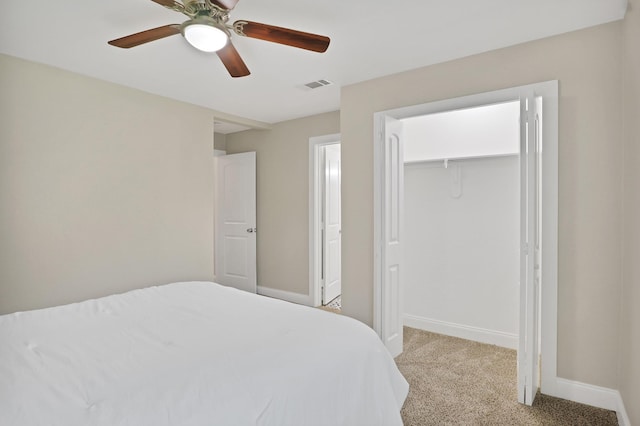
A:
(369, 38)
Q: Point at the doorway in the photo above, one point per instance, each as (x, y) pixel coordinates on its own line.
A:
(325, 224)
(462, 213)
(538, 242)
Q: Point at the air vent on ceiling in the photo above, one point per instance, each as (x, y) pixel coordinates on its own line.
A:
(318, 83)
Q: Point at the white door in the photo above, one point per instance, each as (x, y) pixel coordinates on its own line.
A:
(235, 231)
(528, 377)
(331, 241)
(392, 236)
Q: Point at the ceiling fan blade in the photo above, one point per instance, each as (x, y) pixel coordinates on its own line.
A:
(225, 4)
(146, 36)
(232, 61)
(308, 41)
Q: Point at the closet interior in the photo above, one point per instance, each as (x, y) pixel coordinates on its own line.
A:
(462, 223)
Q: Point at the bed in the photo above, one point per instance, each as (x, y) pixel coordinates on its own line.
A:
(194, 353)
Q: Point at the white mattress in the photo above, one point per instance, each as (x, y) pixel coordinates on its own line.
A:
(194, 354)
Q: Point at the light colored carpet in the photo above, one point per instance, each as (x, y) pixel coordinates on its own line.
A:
(460, 382)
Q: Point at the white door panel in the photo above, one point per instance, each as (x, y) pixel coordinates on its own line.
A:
(393, 194)
(332, 224)
(235, 251)
(235, 259)
(528, 380)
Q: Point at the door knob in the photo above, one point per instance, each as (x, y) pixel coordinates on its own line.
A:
(249, 230)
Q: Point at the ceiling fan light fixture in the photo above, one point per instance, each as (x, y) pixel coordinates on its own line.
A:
(208, 31)
(205, 36)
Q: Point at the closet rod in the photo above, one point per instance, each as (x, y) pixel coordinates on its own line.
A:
(448, 160)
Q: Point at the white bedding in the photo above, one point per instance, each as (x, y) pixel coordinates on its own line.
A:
(194, 354)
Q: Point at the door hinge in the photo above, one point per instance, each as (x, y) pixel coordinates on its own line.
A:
(524, 117)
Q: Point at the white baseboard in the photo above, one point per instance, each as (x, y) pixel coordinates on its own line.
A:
(300, 299)
(596, 396)
(492, 337)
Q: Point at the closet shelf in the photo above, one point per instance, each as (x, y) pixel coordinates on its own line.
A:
(472, 157)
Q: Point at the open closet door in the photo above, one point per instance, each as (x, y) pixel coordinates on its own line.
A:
(392, 237)
(235, 230)
(530, 149)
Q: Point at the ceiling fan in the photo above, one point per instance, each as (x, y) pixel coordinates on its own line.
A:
(207, 30)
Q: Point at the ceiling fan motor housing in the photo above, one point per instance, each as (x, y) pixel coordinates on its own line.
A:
(202, 8)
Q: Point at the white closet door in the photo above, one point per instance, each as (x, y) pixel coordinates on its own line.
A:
(393, 194)
(528, 350)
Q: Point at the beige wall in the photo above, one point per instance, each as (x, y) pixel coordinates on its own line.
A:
(102, 188)
(630, 313)
(283, 197)
(587, 64)
(220, 141)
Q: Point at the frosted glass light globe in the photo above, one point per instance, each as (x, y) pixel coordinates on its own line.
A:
(207, 38)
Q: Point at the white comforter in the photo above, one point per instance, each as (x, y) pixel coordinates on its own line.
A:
(194, 354)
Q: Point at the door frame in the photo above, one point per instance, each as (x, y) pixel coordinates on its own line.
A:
(315, 213)
(549, 186)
